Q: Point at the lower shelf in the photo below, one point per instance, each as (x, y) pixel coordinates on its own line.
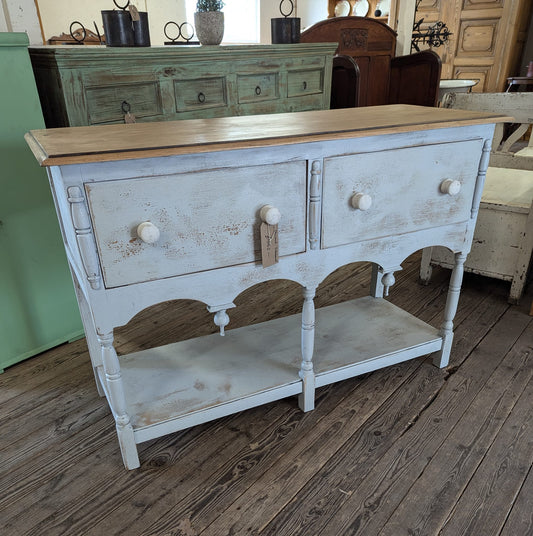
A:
(362, 335)
(180, 385)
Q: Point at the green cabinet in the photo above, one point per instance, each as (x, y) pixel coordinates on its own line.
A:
(38, 307)
(98, 85)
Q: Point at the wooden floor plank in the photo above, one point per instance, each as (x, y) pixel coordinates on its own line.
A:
(34, 372)
(408, 448)
(211, 488)
(485, 505)
(453, 465)
(59, 513)
(372, 503)
(520, 520)
(325, 509)
(68, 392)
(268, 494)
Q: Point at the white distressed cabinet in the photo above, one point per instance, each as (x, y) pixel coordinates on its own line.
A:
(154, 212)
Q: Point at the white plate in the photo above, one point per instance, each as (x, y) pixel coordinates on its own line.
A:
(360, 8)
(342, 8)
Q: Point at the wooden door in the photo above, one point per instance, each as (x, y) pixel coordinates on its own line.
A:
(487, 41)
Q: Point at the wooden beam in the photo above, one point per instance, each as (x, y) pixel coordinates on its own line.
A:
(403, 24)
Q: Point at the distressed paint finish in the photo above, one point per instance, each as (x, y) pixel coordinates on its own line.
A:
(503, 236)
(315, 204)
(307, 398)
(516, 105)
(84, 235)
(408, 199)
(87, 87)
(162, 390)
(206, 219)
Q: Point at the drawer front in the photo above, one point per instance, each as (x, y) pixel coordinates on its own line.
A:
(104, 104)
(206, 220)
(198, 94)
(404, 189)
(257, 87)
(305, 82)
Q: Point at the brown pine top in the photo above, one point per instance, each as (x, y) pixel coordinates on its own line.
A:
(77, 145)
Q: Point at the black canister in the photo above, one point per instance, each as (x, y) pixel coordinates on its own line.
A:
(285, 30)
(118, 28)
(141, 31)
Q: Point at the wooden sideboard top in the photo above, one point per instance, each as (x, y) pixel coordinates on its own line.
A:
(77, 145)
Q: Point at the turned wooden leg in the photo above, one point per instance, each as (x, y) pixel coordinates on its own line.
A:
(523, 261)
(91, 338)
(306, 400)
(117, 401)
(376, 286)
(446, 330)
(425, 266)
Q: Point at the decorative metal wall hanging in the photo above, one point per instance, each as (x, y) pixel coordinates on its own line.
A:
(182, 34)
(435, 35)
(79, 35)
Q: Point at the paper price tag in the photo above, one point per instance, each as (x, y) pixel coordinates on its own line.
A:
(269, 244)
(134, 13)
(129, 118)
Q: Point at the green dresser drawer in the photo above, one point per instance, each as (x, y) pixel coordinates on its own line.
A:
(106, 104)
(258, 87)
(305, 82)
(200, 93)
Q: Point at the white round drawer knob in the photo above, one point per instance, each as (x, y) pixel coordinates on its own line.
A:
(450, 187)
(148, 232)
(270, 215)
(361, 201)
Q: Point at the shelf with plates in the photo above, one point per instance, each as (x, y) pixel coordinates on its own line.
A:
(376, 9)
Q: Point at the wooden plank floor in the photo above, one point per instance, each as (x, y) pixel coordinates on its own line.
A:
(408, 450)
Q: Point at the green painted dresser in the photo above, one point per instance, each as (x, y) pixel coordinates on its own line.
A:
(38, 307)
(98, 85)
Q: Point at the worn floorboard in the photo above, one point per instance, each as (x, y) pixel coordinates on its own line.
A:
(406, 450)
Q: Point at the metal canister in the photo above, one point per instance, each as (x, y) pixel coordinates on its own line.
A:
(118, 28)
(141, 30)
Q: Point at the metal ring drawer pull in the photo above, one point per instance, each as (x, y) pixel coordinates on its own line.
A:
(270, 215)
(361, 201)
(126, 107)
(258, 90)
(148, 232)
(201, 97)
(450, 187)
(305, 85)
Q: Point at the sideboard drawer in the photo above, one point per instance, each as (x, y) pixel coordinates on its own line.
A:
(206, 220)
(403, 188)
(105, 103)
(305, 82)
(258, 87)
(200, 93)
